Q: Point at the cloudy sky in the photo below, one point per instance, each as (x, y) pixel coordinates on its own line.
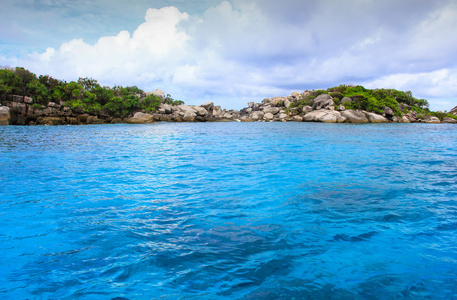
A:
(236, 51)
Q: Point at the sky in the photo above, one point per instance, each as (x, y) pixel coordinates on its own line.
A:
(237, 51)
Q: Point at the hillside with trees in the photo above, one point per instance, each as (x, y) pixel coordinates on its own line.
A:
(30, 99)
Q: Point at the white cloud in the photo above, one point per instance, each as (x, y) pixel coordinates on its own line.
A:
(147, 54)
(258, 48)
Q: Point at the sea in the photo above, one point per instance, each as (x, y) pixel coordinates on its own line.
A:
(228, 211)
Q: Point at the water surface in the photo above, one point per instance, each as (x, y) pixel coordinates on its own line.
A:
(229, 211)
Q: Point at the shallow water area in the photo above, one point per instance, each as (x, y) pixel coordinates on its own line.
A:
(229, 211)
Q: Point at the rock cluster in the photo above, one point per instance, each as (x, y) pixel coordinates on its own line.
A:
(178, 113)
(320, 109)
(21, 111)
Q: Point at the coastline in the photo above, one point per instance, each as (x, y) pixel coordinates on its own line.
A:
(20, 110)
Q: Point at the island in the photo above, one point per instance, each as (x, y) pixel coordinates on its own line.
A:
(27, 99)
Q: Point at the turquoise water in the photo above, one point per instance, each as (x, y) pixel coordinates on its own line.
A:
(229, 211)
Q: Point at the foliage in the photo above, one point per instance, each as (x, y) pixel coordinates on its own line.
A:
(25, 79)
(87, 95)
(318, 92)
(88, 83)
(83, 95)
(370, 100)
(177, 102)
(150, 103)
(171, 101)
(8, 82)
(102, 94)
(121, 106)
(441, 115)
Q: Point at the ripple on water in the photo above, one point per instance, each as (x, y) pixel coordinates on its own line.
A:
(230, 211)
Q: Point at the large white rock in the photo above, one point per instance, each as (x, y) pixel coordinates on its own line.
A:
(322, 101)
(257, 115)
(189, 116)
(313, 116)
(297, 95)
(433, 120)
(159, 93)
(353, 116)
(183, 109)
(375, 118)
(165, 108)
(209, 106)
(282, 116)
(324, 115)
(405, 119)
(201, 111)
(271, 110)
(307, 109)
(268, 116)
(449, 120)
(140, 118)
(275, 101)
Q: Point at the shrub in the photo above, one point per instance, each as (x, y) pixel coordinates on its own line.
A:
(318, 92)
(347, 105)
(338, 89)
(150, 103)
(121, 107)
(77, 106)
(440, 115)
(308, 100)
(336, 95)
(94, 108)
(177, 102)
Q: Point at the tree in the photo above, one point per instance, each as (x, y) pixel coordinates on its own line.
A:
(9, 82)
(73, 90)
(121, 107)
(88, 83)
(151, 103)
(49, 82)
(25, 77)
(39, 92)
(102, 94)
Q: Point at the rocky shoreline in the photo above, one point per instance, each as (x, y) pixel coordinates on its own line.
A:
(20, 110)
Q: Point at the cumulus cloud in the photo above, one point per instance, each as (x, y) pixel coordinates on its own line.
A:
(245, 50)
(121, 57)
(440, 83)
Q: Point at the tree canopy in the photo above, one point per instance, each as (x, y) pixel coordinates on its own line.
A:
(83, 95)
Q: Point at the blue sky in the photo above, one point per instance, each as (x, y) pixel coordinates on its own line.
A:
(233, 52)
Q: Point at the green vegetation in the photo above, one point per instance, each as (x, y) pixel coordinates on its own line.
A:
(373, 100)
(83, 96)
(150, 103)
